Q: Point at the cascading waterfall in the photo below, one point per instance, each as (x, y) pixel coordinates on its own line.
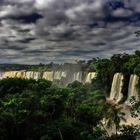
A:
(132, 90)
(116, 95)
(116, 89)
(58, 76)
(90, 76)
(29, 75)
(65, 76)
(78, 76)
(37, 75)
(20, 74)
(10, 74)
(48, 75)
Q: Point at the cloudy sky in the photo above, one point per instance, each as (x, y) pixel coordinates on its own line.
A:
(34, 31)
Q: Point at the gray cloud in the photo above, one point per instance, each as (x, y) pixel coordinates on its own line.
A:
(34, 31)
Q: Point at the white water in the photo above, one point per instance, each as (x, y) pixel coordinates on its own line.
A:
(116, 89)
(132, 90)
(90, 76)
(48, 75)
(116, 95)
(63, 77)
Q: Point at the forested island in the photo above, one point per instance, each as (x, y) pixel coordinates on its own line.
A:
(40, 109)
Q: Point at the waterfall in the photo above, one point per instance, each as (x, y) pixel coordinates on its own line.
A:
(29, 75)
(62, 74)
(90, 76)
(48, 75)
(57, 75)
(77, 76)
(64, 77)
(132, 90)
(10, 74)
(116, 89)
(37, 75)
(21, 74)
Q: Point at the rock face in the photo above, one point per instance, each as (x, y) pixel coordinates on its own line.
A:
(58, 76)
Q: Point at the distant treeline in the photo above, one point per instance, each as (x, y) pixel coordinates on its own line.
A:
(41, 67)
(126, 63)
(13, 67)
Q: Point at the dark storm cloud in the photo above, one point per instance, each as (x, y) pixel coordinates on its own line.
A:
(33, 31)
(26, 40)
(26, 18)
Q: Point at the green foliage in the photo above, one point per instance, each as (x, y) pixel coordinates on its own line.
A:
(12, 67)
(39, 110)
